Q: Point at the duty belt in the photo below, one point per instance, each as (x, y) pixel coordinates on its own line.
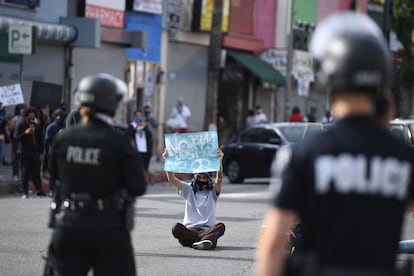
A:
(344, 271)
(90, 205)
(83, 202)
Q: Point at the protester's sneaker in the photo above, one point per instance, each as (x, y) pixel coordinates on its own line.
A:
(25, 196)
(203, 245)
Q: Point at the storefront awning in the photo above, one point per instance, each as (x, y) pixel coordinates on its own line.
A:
(264, 71)
(48, 32)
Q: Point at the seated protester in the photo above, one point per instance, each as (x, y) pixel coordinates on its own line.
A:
(199, 228)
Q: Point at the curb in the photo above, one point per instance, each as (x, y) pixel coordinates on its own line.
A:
(14, 187)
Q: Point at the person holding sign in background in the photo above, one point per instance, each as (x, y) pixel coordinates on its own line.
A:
(199, 228)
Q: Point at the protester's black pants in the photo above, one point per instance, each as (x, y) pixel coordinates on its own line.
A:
(16, 157)
(45, 165)
(31, 170)
(188, 236)
(145, 157)
(107, 251)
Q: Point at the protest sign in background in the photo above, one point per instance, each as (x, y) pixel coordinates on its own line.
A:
(192, 152)
(11, 95)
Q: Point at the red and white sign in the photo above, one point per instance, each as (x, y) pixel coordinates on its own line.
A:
(110, 13)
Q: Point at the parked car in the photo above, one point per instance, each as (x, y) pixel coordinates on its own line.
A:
(251, 154)
(403, 129)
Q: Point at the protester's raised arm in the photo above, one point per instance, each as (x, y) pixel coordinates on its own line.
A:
(219, 174)
(170, 175)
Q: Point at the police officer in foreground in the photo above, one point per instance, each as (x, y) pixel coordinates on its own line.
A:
(98, 174)
(350, 185)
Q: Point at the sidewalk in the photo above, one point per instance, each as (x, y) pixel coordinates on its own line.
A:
(8, 186)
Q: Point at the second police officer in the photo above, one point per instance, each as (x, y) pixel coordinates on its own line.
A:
(98, 174)
(350, 185)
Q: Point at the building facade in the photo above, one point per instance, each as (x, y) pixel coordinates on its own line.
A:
(42, 78)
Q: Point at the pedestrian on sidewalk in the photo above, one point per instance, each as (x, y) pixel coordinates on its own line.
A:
(153, 124)
(141, 134)
(260, 116)
(31, 138)
(51, 131)
(98, 174)
(16, 147)
(199, 229)
(3, 134)
(181, 113)
(296, 115)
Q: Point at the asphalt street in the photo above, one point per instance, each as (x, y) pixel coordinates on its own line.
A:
(24, 235)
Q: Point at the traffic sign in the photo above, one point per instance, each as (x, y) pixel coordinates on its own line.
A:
(21, 39)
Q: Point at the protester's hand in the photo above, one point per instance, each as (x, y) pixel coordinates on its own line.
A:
(165, 154)
(220, 153)
(290, 236)
(411, 212)
(29, 130)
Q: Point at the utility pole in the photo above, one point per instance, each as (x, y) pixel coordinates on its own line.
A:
(288, 91)
(386, 24)
(214, 56)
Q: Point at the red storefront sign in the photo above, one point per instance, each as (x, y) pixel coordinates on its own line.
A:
(108, 16)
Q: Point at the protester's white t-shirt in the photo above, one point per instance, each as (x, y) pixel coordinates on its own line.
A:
(200, 207)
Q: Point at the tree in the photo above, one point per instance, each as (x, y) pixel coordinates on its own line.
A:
(403, 25)
(214, 55)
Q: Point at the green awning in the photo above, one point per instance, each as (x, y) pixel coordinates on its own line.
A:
(264, 71)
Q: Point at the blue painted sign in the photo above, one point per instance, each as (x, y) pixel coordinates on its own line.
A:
(192, 152)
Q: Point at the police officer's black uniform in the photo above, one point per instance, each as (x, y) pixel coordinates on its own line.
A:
(98, 172)
(349, 185)
(350, 194)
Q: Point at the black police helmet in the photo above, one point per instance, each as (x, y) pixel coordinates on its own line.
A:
(351, 54)
(101, 91)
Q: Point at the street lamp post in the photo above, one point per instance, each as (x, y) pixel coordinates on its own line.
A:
(386, 19)
(288, 90)
(214, 55)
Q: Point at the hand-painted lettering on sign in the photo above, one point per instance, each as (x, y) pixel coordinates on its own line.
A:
(11, 95)
(192, 152)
